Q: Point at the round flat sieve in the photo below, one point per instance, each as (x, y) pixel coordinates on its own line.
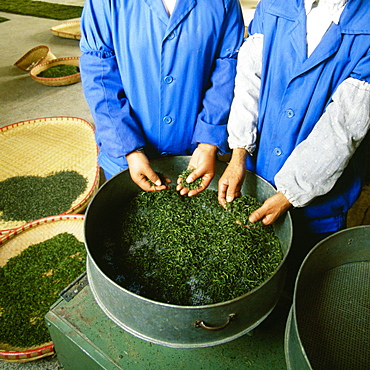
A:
(333, 317)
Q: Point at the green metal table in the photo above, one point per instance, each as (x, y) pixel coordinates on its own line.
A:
(85, 338)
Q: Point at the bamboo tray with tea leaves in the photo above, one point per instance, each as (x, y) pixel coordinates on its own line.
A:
(48, 167)
(37, 261)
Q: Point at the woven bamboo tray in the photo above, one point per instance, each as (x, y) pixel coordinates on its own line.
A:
(58, 81)
(44, 146)
(68, 30)
(13, 244)
(33, 57)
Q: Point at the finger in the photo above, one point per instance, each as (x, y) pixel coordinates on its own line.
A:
(196, 191)
(266, 216)
(145, 184)
(165, 180)
(181, 181)
(152, 183)
(257, 215)
(222, 188)
(206, 180)
(154, 178)
(230, 194)
(232, 190)
(269, 219)
(222, 202)
(193, 176)
(184, 191)
(156, 188)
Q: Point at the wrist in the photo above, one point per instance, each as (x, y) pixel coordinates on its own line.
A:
(239, 157)
(134, 154)
(208, 147)
(139, 150)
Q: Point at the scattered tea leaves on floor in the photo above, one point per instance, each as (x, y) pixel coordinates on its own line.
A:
(190, 250)
(28, 198)
(30, 284)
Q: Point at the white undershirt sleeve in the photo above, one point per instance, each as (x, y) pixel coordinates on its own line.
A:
(243, 118)
(317, 162)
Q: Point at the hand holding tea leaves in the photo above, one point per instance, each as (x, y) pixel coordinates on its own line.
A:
(271, 209)
(142, 173)
(201, 166)
(184, 175)
(229, 187)
(231, 181)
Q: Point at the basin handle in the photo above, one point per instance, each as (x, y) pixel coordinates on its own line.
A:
(202, 324)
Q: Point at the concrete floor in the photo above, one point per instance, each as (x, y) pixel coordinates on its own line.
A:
(21, 97)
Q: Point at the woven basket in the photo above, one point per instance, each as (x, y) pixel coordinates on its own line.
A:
(44, 146)
(13, 244)
(68, 30)
(58, 81)
(33, 57)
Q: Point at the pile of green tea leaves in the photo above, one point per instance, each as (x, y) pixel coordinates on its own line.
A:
(28, 198)
(30, 283)
(60, 70)
(190, 250)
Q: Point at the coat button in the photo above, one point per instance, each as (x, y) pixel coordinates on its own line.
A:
(168, 79)
(277, 151)
(171, 36)
(290, 113)
(167, 119)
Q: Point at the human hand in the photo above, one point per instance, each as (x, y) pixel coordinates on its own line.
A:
(271, 209)
(142, 173)
(230, 183)
(203, 161)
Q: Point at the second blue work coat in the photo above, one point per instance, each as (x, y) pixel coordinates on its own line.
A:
(159, 82)
(295, 90)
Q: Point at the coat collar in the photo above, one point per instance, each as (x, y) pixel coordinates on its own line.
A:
(157, 7)
(355, 18)
(182, 8)
(288, 11)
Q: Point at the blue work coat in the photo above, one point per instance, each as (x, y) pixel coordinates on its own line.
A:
(295, 90)
(159, 82)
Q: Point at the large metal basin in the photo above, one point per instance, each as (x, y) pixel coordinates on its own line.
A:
(166, 324)
(329, 322)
